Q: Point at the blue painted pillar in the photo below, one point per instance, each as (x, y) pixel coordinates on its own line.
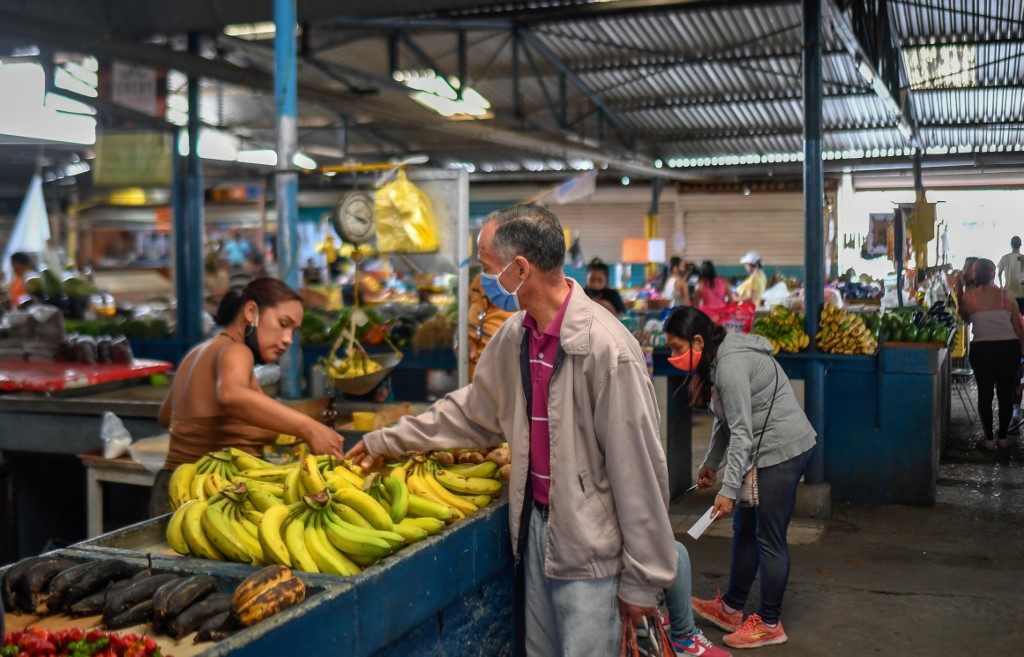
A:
(814, 247)
(189, 199)
(287, 179)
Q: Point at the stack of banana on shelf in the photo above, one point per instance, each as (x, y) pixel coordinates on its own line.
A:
(174, 605)
(319, 514)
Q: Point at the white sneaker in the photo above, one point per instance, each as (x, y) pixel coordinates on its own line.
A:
(987, 445)
(1004, 443)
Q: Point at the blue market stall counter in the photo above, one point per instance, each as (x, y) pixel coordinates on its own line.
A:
(451, 594)
(886, 422)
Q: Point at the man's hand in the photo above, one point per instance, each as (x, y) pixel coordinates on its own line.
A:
(633, 615)
(361, 456)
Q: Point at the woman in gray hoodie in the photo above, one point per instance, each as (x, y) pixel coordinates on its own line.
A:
(757, 421)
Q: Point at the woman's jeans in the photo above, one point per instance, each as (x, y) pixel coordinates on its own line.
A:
(759, 538)
(677, 597)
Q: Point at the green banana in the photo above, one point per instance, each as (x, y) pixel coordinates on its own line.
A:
(398, 491)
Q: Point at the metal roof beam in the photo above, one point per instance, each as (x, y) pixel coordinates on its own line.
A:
(667, 103)
(868, 65)
(593, 10)
(677, 60)
(625, 131)
(95, 42)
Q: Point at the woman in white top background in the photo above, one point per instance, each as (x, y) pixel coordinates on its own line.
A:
(996, 347)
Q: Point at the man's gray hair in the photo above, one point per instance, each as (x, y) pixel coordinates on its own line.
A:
(529, 231)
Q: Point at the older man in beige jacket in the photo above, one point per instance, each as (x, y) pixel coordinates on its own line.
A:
(588, 494)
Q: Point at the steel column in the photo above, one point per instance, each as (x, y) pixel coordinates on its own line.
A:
(814, 246)
(287, 179)
(189, 236)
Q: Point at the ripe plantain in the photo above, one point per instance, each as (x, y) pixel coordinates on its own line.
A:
(190, 620)
(270, 601)
(254, 584)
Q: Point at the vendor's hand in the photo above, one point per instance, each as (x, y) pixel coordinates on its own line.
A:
(705, 477)
(633, 615)
(360, 455)
(723, 506)
(324, 440)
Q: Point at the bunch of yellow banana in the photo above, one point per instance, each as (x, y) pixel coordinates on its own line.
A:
(210, 474)
(844, 333)
(222, 526)
(462, 488)
(784, 329)
(357, 364)
(266, 592)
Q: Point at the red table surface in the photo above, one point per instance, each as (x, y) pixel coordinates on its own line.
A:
(53, 377)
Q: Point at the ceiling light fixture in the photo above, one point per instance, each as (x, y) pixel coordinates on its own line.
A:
(439, 94)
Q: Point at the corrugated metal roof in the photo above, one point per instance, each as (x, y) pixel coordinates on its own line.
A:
(689, 80)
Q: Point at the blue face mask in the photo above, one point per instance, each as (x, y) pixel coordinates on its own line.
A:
(496, 292)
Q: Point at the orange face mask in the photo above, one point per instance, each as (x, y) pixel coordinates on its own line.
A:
(688, 361)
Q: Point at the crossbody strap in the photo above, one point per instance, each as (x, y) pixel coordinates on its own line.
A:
(769, 415)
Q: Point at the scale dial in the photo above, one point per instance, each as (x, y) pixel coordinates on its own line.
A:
(355, 218)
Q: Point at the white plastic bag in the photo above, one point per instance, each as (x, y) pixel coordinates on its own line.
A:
(151, 453)
(116, 438)
(775, 295)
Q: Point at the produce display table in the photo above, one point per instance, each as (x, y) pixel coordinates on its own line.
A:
(55, 377)
(450, 594)
(886, 421)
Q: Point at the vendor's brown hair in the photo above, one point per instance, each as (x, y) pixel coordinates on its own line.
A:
(264, 291)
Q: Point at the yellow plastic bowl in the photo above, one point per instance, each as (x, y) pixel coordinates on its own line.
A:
(363, 421)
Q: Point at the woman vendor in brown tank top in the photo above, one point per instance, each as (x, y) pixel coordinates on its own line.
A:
(216, 401)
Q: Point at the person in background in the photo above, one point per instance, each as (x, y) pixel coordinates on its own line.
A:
(598, 290)
(216, 402)
(753, 287)
(1011, 272)
(674, 285)
(712, 290)
(21, 264)
(485, 319)
(567, 386)
(237, 250)
(995, 350)
(757, 423)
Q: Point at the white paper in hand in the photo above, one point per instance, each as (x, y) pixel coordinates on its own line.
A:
(702, 524)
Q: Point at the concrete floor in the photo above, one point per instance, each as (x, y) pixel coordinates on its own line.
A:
(895, 580)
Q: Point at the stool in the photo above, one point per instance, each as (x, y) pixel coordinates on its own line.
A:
(98, 470)
(962, 380)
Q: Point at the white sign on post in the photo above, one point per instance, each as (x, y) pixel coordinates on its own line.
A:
(134, 87)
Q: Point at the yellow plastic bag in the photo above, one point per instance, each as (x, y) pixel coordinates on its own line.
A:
(405, 218)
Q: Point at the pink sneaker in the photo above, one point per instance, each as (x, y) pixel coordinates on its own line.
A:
(713, 611)
(754, 634)
(698, 644)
